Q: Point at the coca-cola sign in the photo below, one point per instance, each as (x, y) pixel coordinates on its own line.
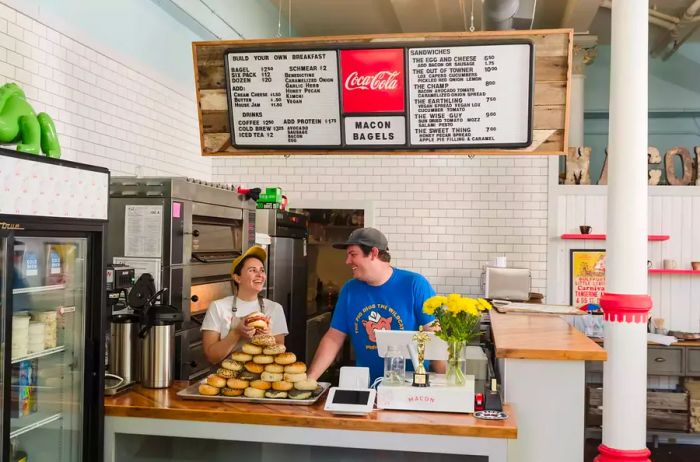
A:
(373, 80)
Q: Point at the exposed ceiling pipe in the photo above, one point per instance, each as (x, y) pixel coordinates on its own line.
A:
(498, 14)
(660, 19)
(688, 23)
(677, 44)
(691, 11)
(662, 23)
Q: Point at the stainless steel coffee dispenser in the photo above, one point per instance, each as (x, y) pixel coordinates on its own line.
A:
(123, 347)
(158, 346)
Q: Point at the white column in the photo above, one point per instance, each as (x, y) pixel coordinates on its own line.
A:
(626, 303)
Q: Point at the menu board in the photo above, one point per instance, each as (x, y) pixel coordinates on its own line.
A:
(398, 97)
(283, 98)
(470, 95)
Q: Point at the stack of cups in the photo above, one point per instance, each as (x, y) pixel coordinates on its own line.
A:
(36, 337)
(20, 335)
(50, 331)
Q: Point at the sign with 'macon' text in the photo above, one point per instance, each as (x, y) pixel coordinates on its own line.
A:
(453, 93)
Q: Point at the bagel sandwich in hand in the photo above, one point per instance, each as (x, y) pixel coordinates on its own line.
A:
(257, 320)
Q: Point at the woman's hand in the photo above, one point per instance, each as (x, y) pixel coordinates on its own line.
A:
(244, 331)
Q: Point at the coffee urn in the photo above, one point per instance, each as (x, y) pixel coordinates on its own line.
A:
(123, 344)
(158, 346)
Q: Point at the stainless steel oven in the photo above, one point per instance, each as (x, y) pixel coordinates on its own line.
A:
(188, 232)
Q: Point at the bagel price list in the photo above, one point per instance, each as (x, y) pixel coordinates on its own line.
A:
(284, 98)
(470, 95)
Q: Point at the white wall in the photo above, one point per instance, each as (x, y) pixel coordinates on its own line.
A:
(673, 210)
(109, 113)
(444, 216)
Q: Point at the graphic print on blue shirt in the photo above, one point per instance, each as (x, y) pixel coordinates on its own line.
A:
(395, 305)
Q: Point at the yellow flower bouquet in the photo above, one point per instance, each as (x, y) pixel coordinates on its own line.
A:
(457, 319)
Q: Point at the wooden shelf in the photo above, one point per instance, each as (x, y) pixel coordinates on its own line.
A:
(602, 237)
(672, 271)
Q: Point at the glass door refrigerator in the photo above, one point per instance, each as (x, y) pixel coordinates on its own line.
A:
(53, 217)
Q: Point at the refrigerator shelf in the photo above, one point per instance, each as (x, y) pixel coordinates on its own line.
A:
(37, 420)
(32, 290)
(39, 354)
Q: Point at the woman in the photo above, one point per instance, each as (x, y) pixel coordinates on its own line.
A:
(224, 329)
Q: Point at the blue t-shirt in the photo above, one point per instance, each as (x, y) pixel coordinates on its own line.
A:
(395, 305)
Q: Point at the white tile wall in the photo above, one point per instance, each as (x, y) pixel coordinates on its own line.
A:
(445, 216)
(106, 113)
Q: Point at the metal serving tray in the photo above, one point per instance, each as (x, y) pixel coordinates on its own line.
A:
(192, 393)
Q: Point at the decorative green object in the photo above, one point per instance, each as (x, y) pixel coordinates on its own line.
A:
(270, 195)
(20, 124)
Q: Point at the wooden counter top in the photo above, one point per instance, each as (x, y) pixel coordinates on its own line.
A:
(541, 336)
(165, 404)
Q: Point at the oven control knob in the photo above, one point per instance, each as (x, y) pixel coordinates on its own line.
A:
(194, 298)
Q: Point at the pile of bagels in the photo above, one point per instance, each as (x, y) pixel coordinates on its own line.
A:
(261, 369)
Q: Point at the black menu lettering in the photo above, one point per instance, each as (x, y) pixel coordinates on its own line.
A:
(284, 98)
(469, 95)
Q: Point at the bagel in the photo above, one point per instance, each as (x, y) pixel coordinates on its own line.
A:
(260, 384)
(241, 357)
(275, 394)
(254, 393)
(275, 368)
(205, 389)
(306, 385)
(299, 394)
(238, 384)
(262, 359)
(231, 391)
(253, 367)
(247, 375)
(293, 378)
(232, 365)
(256, 320)
(285, 358)
(282, 386)
(275, 349)
(295, 368)
(271, 376)
(251, 349)
(319, 389)
(216, 381)
(264, 340)
(225, 373)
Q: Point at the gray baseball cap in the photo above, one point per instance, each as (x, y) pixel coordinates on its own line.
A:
(365, 236)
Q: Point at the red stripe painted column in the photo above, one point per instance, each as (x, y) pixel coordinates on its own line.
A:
(626, 303)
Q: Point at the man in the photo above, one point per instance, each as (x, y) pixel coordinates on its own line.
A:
(379, 297)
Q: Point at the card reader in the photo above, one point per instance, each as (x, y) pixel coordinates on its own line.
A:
(353, 395)
(349, 401)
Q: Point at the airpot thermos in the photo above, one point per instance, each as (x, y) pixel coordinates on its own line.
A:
(123, 353)
(158, 346)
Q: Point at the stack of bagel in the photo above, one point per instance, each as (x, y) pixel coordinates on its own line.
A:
(262, 369)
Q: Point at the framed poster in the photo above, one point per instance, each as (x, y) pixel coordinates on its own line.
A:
(587, 271)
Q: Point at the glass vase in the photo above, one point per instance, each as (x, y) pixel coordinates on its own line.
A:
(456, 363)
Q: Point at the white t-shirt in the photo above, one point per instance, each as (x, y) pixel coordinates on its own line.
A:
(220, 317)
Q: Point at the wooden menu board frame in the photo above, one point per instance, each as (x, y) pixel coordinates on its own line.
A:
(552, 88)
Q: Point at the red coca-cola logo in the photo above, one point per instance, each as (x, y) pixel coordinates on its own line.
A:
(373, 80)
(382, 80)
